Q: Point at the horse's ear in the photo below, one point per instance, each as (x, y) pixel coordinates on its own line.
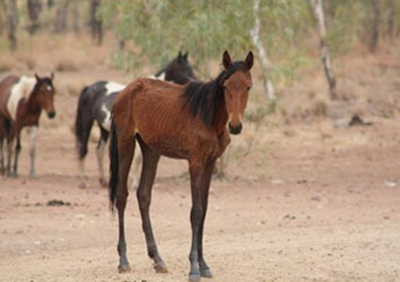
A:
(179, 57)
(52, 76)
(37, 77)
(185, 56)
(249, 60)
(226, 60)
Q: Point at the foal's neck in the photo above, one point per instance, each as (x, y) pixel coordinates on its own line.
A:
(31, 107)
(221, 118)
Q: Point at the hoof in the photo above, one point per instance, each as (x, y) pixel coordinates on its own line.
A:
(33, 175)
(13, 175)
(194, 277)
(124, 268)
(160, 267)
(82, 185)
(206, 273)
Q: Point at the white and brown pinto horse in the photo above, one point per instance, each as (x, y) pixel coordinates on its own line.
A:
(22, 100)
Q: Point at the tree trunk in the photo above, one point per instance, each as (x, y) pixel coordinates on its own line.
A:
(392, 16)
(75, 18)
(34, 10)
(61, 19)
(96, 24)
(325, 57)
(261, 54)
(11, 9)
(375, 25)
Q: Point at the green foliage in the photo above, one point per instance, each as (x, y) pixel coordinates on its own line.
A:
(205, 28)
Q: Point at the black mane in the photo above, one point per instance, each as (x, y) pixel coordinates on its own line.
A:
(204, 98)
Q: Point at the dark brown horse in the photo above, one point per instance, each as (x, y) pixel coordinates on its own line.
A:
(21, 102)
(186, 122)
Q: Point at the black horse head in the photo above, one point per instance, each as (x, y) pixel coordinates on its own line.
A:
(178, 71)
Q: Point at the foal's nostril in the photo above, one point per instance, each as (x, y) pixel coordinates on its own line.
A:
(51, 114)
(235, 129)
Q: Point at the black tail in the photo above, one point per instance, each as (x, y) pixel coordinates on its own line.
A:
(114, 165)
(80, 126)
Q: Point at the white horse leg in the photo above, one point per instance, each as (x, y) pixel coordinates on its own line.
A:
(134, 174)
(33, 173)
(100, 160)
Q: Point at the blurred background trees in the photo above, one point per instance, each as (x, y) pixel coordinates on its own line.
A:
(282, 33)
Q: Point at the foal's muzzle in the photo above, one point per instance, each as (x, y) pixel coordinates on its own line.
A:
(235, 129)
(51, 114)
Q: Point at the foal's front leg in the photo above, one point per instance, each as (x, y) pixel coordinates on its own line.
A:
(33, 173)
(200, 176)
(16, 156)
(205, 271)
(2, 167)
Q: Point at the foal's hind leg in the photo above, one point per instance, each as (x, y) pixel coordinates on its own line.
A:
(149, 169)
(101, 146)
(126, 147)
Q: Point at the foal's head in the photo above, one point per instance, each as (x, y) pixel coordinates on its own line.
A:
(236, 89)
(179, 70)
(44, 94)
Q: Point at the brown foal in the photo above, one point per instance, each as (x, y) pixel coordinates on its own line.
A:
(187, 122)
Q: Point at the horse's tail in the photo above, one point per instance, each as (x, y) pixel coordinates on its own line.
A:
(114, 165)
(80, 125)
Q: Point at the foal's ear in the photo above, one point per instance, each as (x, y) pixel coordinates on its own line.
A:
(37, 77)
(52, 76)
(185, 56)
(249, 60)
(226, 60)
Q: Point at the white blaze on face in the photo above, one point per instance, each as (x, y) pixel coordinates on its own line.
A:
(106, 123)
(112, 87)
(22, 89)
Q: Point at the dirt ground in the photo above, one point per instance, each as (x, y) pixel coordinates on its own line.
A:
(305, 202)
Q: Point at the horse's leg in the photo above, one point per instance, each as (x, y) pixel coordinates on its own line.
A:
(100, 155)
(134, 176)
(209, 169)
(197, 214)
(16, 156)
(149, 169)
(2, 136)
(33, 151)
(2, 168)
(83, 148)
(9, 132)
(125, 151)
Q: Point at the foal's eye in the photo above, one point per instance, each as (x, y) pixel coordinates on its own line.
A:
(248, 88)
